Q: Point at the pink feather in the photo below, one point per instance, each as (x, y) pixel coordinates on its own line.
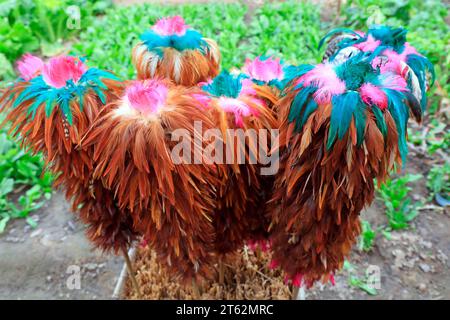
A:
(371, 94)
(29, 66)
(147, 96)
(239, 108)
(326, 80)
(202, 99)
(170, 26)
(263, 70)
(247, 88)
(393, 81)
(369, 45)
(273, 264)
(332, 280)
(58, 70)
(297, 281)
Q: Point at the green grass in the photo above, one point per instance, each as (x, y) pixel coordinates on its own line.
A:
(23, 184)
(438, 183)
(290, 31)
(108, 42)
(41, 26)
(368, 235)
(400, 209)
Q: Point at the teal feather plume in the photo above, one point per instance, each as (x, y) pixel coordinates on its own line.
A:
(345, 107)
(400, 113)
(40, 92)
(225, 85)
(336, 31)
(298, 106)
(420, 65)
(191, 40)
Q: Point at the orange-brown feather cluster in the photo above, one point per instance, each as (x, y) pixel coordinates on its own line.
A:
(319, 193)
(171, 203)
(187, 67)
(58, 141)
(241, 196)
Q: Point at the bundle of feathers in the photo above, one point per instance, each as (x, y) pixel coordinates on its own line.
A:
(50, 107)
(134, 163)
(240, 110)
(343, 124)
(170, 198)
(391, 51)
(172, 50)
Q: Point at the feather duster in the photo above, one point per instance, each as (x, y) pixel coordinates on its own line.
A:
(341, 127)
(50, 107)
(237, 108)
(170, 198)
(393, 54)
(171, 49)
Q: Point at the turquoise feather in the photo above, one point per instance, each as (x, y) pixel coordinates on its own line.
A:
(191, 40)
(298, 103)
(400, 113)
(225, 85)
(379, 119)
(41, 93)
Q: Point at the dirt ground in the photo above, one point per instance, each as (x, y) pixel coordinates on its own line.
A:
(38, 263)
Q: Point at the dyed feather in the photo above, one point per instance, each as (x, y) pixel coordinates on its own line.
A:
(171, 203)
(393, 52)
(52, 120)
(172, 50)
(237, 103)
(333, 145)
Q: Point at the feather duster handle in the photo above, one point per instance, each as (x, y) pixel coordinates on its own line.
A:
(172, 49)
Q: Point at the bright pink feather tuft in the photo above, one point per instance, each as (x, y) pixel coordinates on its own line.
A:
(58, 70)
(170, 26)
(239, 108)
(263, 245)
(393, 81)
(203, 100)
(332, 280)
(29, 66)
(264, 69)
(248, 88)
(409, 49)
(147, 96)
(369, 45)
(297, 281)
(372, 95)
(273, 264)
(325, 79)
